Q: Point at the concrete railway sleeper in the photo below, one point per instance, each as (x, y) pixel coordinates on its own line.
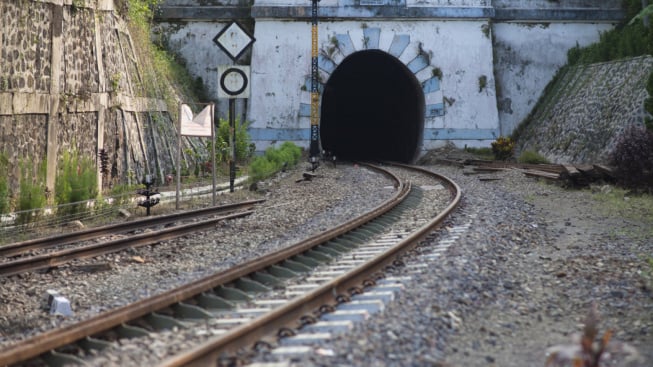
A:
(263, 300)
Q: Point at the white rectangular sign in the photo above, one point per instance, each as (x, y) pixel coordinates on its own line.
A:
(199, 125)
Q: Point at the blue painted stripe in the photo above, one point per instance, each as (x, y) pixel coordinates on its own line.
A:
(372, 36)
(345, 45)
(431, 85)
(304, 110)
(461, 134)
(304, 134)
(434, 110)
(279, 134)
(399, 44)
(326, 64)
(420, 62)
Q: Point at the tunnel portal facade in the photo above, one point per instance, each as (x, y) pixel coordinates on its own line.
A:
(372, 108)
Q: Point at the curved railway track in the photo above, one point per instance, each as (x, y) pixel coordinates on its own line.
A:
(38, 254)
(297, 285)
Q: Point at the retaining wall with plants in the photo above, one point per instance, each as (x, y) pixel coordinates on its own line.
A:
(583, 116)
(71, 79)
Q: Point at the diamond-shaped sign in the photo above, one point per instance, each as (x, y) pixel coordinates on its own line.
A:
(233, 40)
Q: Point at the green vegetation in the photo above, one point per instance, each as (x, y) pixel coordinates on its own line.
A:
(76, 181)
(482, 83)
(528, 156)
(32, 191)
(163, 66)
(4, 185)
(631, 38)
(621, 203)
(437, 72)
(481, 153)
(275, 159)
(503, 148)
(244, 146)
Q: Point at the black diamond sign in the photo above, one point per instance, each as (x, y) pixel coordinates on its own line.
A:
(234, 40)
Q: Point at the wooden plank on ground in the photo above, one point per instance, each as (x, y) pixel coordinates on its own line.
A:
(542, 174)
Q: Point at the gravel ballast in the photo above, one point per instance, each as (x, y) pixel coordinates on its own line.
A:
(292, 211)
(520, 280)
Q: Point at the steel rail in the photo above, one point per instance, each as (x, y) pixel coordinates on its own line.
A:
(288, 314)
(19, 248)
(83, 252)
(39, 344)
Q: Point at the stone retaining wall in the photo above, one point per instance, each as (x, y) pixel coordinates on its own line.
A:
(70, 79)
(583, 116)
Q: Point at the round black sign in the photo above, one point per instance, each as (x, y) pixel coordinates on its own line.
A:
(233, 81)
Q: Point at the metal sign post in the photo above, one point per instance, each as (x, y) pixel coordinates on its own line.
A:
(314, 148)
(234, 81)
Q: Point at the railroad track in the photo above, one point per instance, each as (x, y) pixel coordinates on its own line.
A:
(262, 299)
(56, 250)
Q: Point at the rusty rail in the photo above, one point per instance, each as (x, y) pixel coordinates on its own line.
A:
(289, 314)
(19, 248)
(50, 340)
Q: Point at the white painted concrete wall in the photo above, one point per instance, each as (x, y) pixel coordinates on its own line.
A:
(194, 42)
(281, 65)
(528, 56)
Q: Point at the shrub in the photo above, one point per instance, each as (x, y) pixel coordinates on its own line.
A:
(503, 148)
(32, 193)
(528, 156)
(242, 141)
(633, 158)
(273, 160)
(4, 185)
(76, 180)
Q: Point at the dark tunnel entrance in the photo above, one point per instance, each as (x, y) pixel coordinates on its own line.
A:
(372, 109)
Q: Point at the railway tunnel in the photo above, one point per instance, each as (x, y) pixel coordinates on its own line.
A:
(372, 109)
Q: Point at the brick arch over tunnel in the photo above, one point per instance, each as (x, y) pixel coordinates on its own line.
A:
(372, 109)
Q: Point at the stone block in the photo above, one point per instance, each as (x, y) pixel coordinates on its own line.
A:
(61, 306)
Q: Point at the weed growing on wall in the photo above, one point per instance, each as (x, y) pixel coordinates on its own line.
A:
(165, 67)
(482, 83)
(76, 181)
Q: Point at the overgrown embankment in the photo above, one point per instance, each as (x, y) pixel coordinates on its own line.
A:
(82, 77)
(593, 101)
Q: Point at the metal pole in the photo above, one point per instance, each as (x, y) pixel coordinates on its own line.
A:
(178, 160)
(213, 152)
(315, 94)
(232, 139)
